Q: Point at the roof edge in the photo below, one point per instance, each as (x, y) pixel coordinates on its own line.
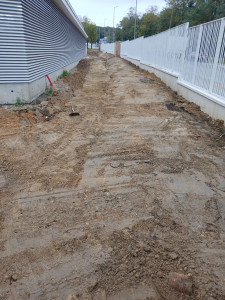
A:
(69, 12)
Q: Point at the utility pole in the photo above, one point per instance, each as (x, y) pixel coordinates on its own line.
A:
(104, 29)
(135, 22)
(171, 16)
(113, 23)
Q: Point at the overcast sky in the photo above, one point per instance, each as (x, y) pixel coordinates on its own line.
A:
(101, 11)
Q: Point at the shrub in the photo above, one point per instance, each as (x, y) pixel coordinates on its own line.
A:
(49, 92)
(19, 102)
(64, 74)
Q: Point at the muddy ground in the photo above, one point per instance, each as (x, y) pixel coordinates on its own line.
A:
(106, 204)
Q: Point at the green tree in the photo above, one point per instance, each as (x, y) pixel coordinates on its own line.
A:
(164, 19)
(92, 33)
(91, 30)
(149, 23)
(127, 25)
(178, 11)
(206, 11)
(218, 8)
(194, 11)
(118, 34)
(175, 13)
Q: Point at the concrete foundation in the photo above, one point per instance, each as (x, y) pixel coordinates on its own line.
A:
(27, 92)
(210, 104)
(168, 78)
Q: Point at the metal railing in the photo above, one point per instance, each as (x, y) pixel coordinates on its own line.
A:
(164, 50)
(196, 55)
(204, 61)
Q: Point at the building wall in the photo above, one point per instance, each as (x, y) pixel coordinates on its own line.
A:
(37, 39)
(13, 62)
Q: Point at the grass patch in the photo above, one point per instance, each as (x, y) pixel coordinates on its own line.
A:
(64, 74)
(19, 102)
(49, 92)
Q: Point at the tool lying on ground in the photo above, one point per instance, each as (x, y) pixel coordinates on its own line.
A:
(73, 113)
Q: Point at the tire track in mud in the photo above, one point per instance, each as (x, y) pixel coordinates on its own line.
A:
(116, 200)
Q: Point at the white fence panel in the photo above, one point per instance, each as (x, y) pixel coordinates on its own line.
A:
(218, 85)
(164, 50)
(134, 47)
(124, 48)
(94, 46)
(196, 55)
(108, 48)
(191, 49)
(204, 62)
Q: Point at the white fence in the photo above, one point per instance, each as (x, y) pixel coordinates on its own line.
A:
(109, 48)
(164, 50)
(195, 55)
(204, 62)
(94, 46)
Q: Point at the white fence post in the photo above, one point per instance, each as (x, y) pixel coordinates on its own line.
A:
(215, 64)
(197, 52)
(185, 47)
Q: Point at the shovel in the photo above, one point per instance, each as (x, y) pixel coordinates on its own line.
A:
(73, 113)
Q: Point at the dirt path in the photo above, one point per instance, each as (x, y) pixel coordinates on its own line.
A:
(105, 205)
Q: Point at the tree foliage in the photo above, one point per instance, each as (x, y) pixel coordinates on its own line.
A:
(149, 23)
(175, 13)
(127, 25)
(152, 22)
(196, 11)
(165, 19)
(91, 30)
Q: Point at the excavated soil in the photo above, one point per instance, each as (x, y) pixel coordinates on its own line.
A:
(106, 204)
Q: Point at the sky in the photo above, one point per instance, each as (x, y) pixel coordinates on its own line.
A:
(101, 11)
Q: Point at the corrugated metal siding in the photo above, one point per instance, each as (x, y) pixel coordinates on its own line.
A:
(51, 40)
(13, 63)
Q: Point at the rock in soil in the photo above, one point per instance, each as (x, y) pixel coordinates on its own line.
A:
(182, 283)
